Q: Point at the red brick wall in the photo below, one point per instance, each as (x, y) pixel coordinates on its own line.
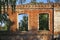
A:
(13, 18)
(33, 18)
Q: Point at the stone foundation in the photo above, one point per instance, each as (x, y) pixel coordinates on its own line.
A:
(30, 35)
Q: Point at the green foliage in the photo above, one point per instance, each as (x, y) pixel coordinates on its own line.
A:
(43, 22)
(22, 1)
(48, 1)
(24, 24)
(4, 28)
(7, 22)
(33, 2)
(57, 1)
(13, 4)
(9, 2)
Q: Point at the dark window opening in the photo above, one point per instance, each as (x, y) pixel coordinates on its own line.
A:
(43, 22)
(23, 22)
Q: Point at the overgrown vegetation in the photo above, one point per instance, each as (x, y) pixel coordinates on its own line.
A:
(5, 22)
(23, 24)
(43, 22)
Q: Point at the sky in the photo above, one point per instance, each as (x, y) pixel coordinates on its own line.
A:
(20, 17)
(27, 1)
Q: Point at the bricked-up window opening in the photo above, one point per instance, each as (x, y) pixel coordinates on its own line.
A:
(23, 22)
(43, 21)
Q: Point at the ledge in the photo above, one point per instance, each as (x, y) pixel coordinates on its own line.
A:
(46, 5)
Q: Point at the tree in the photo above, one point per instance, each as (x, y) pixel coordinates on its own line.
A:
(4, 3)
(33, 2)
(4, 19)
(48, 1)
(21, 1)
(57, 1)
(43, 22)
(24, 24)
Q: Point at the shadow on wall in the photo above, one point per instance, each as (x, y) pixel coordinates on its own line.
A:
(10, 23)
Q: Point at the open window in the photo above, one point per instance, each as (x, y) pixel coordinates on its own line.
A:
(23, 22)
(43, 21)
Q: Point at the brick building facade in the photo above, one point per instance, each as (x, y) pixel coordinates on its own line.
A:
(33, 12)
